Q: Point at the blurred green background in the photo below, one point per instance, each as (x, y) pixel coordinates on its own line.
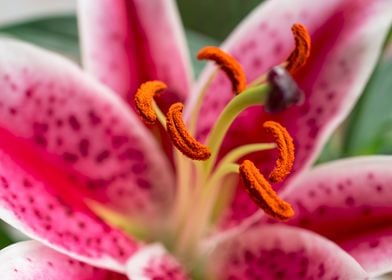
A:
(368, 130)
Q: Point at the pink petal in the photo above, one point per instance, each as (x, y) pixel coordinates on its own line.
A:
(350, 202)
(373, 251)
(31, 260)
(152, 263)
(128, 42)
(347, 39)
(70, 124)
(280, 252)
(65, 140)
(29, 203)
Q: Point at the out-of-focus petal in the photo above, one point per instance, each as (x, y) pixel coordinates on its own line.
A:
(47, 207)
(350, 202)
(73, 125)
(153, 262)
(32, 260)
(127, 42)
(281, 252)
(372, 250)
(21, 10)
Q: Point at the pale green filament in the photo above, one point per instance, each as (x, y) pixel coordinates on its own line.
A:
(199, 217)
(160, 116)
(242, 151)
(205, 197)
(194, 207)
(184, 170)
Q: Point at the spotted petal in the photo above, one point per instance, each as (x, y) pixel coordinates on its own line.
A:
(347, 39)
(66, 141)
(79, 127)
(372, 250)
(32, 260)
(154, 263)
(127, 42)
(30, 203)
(350, 202)
(281, 252)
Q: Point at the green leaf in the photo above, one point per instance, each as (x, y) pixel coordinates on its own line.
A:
(333, 149)
(215, 18)
(57, 34)
(370, 128)
(5, 239)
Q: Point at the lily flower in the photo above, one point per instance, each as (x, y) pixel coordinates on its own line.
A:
(101, 192)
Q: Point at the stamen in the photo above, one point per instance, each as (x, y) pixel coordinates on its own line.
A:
(262, 193)
(144, 100)
(300, 54)
(229, 65)
(285, 146)
(181, 138)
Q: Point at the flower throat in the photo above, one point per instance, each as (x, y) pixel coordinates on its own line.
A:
(199, 172)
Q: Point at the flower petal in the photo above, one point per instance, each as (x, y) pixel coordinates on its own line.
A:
(152, 262)
(281, 252)
(350, 202)
(373, 251)
(29, 203)
(79, 128)
(144, 42)
(21, 10)
(347, 39)
(32, 260)
(66, 140)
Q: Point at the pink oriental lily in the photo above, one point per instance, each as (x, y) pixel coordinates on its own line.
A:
(83, 176)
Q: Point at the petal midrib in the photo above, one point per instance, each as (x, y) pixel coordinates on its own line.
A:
(137, 46)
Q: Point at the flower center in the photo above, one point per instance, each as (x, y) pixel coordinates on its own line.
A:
(199, 200)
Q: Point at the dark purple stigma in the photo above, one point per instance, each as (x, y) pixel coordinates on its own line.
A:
(284, 91)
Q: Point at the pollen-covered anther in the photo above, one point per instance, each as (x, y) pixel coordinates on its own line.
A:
(285, 146)
(180, 136)
(144, 98)
(228, 64)
(300, 54)
(261, 192)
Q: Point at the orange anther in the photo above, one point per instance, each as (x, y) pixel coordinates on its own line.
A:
(262, 193)
(285, 145)
(144, 98)
(229, 65)
(300, 54)
(181, 138)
